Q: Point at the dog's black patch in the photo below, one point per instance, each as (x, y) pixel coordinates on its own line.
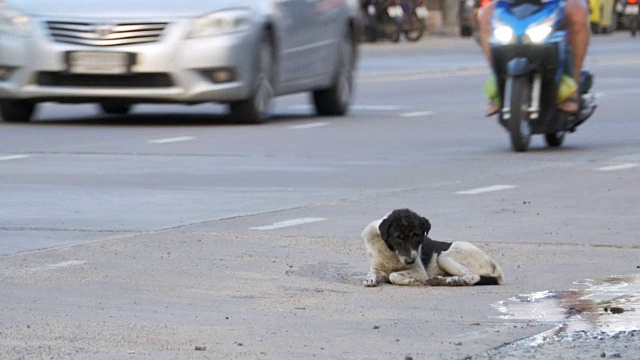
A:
(487, 280)
(430, 247)
(404, 230)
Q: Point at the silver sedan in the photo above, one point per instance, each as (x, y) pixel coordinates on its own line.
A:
(118, 53)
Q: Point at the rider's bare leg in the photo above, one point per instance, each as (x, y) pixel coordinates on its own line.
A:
(485, 30)
(578, 33)
(484, 23)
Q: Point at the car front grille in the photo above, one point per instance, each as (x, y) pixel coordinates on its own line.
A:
(142, 80)
(105, 34)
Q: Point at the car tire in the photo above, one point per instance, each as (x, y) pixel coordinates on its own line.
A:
(335, 100)
(115, 107)
(16, 110)
(255, 109)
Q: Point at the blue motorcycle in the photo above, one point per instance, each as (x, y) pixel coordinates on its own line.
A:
(530, 55)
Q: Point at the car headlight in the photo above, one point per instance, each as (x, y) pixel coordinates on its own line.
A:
(14, 22)
(221, 22)
(503, 33)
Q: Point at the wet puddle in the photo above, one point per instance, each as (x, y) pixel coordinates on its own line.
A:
(607, 306)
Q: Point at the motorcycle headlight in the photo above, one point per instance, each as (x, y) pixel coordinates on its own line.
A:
(14, 22)
(538, 33)
(221, 22)
(503, 33)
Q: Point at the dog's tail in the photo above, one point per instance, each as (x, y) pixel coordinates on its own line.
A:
(496, 277)
(488, 280)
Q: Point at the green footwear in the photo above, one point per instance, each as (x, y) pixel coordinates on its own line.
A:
(567, 88)
(491, 91)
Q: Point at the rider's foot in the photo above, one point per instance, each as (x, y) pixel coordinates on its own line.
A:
(571, 105)
(492, 109)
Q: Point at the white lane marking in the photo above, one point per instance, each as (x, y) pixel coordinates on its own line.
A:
(60, 265)
(14, 157)
(353, 107)
(487, 189)
(309, 125)
(288, 223)
(171, 140)
(417, 114)
(415, 76)
(376, 107)
(624, 166)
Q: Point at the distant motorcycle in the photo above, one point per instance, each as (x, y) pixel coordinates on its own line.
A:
(413, 19)
(390, 19)
(380, 21)
(631, 15)
(529, 53)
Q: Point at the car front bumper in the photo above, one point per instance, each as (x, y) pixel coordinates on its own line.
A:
(172, 69)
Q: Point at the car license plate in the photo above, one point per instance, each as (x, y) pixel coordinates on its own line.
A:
(631, 10)
(99, 62)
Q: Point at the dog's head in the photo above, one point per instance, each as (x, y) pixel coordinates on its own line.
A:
(403, 231)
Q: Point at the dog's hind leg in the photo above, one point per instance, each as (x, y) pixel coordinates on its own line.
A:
(460, 275)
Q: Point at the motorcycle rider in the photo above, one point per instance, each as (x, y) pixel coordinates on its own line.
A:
(578, 33)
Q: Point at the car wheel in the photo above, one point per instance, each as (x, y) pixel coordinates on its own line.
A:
(335, 100)
(16, 110)
(255, 109)
(115, 107)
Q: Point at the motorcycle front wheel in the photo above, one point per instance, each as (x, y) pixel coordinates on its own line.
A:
(519, 88)
(416, 28)
(554, 139)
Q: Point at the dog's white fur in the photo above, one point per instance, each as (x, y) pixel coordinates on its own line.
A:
(461, 265)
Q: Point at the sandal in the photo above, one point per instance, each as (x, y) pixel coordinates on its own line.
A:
(492, 109)
(571, 105)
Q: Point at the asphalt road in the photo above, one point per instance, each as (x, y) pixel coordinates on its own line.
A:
(151, 234)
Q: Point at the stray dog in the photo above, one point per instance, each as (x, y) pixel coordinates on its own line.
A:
(401, 253)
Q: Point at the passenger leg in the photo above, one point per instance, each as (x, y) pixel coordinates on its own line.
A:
(579, 33)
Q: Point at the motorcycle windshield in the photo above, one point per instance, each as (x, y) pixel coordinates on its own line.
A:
(525, 10)
(522, 15)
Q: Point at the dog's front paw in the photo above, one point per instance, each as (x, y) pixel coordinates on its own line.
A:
(436, 281)
(404, 278)
(370, 282)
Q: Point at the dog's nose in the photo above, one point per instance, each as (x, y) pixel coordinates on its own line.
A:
(409, 261)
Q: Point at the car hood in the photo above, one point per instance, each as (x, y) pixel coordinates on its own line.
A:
(124, 8)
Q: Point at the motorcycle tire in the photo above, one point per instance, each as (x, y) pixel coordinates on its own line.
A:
(633, 27)
(395, 35)
(416, 29)
(555, 139)
(518, 123)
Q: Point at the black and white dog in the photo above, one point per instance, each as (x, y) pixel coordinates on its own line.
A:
(401, 253)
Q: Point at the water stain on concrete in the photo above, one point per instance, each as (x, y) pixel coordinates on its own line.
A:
(609, 306)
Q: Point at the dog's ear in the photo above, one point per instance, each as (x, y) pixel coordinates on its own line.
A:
(384, 228)
(426, 225)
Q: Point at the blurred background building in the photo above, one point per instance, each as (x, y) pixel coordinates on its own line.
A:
(444, 17)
